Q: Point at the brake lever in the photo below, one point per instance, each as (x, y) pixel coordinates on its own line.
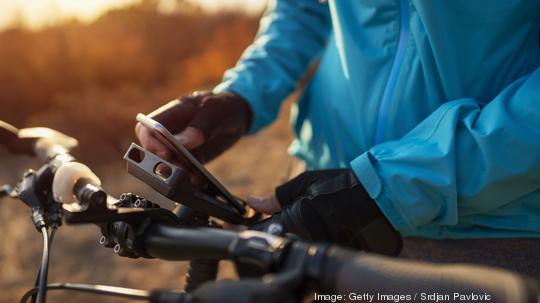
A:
(47, 142)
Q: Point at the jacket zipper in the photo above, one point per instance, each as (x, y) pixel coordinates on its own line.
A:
(391, 82)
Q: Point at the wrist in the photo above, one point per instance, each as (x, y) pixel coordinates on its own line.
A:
(333, 206)
(243, 106)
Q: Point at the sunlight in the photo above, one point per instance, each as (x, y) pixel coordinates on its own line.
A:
(35, 14)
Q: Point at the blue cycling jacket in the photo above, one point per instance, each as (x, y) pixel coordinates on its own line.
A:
(435, 105)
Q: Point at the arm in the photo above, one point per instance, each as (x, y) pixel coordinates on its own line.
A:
(291, 36)
(464, 159)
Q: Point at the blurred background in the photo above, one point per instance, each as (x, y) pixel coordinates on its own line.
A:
(86, 68)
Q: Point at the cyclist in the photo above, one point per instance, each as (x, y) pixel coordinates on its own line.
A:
(421, 116)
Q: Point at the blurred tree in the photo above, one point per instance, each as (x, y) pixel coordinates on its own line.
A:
(90, 80)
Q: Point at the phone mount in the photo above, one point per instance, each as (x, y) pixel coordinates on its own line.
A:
(183, 187)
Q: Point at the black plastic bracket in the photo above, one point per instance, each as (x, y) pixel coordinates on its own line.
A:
(178, 185)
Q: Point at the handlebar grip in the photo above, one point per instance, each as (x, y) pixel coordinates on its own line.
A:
(348, 273)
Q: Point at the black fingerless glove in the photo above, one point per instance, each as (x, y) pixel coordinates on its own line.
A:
(223, 118)
(333, 206)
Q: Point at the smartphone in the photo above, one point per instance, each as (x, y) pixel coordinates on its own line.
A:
(189, 162)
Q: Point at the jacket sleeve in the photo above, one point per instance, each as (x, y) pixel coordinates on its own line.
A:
(292, 34)
(464, 159)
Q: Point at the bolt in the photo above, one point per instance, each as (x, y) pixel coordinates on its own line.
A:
(103, 240)
(275, 229)
(117, 248)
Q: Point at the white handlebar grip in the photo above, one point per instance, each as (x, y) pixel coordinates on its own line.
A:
(65, 179)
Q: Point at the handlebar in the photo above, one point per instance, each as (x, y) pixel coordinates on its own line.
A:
(294, 264)
(173, 243)
(351, 274)
(202, 243)
(342, 272)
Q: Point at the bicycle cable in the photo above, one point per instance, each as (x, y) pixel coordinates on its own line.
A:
(128, 293)
(38, 275)
(44, 268)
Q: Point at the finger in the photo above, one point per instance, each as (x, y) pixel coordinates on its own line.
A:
(177, 114)
(267, 205)
(191, 137)
(151, 143)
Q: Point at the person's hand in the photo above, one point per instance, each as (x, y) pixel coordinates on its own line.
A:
(205, 123)
(290, 191)
(330, 206)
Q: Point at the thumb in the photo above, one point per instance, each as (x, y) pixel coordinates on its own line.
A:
(191, 137)
(268, 205)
